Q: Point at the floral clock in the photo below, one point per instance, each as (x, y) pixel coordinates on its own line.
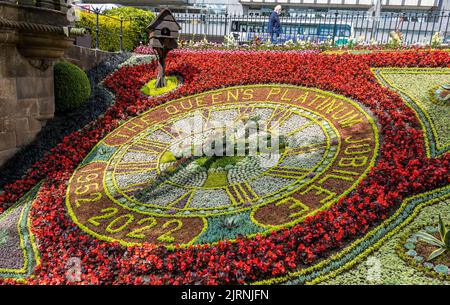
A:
(330, 142)
(120, 195)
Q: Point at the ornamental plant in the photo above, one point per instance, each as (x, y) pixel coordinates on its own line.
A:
(437, 40)
(443, 243)
(72, 87)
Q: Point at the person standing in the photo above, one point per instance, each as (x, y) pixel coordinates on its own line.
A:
(275, 25)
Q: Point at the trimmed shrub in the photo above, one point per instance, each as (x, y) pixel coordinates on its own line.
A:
(72, 87)
(140, 20)
(109, 32)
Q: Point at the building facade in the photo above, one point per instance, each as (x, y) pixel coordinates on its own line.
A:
(291, 7)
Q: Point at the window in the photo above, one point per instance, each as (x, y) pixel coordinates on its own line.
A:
(326, 29)
(343, 30)
(307, 30)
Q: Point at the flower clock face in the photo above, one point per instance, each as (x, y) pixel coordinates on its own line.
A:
(222, 164)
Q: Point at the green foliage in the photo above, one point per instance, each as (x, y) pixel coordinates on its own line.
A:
(109, 32)
(135, 22)
(228, 227)
(168, 157)
(230, 222)
(72, 87)
(140, 20)
(216, 179)
(223, 161)
(149, 88)
(3, 236)
(443, 243)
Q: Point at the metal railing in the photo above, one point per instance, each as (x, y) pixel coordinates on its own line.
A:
(414, 27)
(335, 27)
(100, 31)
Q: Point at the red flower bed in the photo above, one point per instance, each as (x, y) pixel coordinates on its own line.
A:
(402, 170)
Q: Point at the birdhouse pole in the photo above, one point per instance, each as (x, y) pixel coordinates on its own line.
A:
(163, 35)
(161, 55)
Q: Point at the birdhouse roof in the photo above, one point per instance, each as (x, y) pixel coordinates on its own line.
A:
(165, 15)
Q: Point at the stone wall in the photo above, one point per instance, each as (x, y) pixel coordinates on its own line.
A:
(86, 58)
(26, 101)
(30, 42)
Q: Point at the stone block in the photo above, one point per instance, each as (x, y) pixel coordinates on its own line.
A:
(7, 125)
(47, 89)
(46, 108)
(2, 62)
(38, 15)
(34, 87)
(7, 107)
(7, 87)
(25, 138)
(6, 154)
(24, 133)
(27, 87)
(21, 124)
(18, 67)
(9, 10)
(34, 125)
(7, 140)
(27, 107)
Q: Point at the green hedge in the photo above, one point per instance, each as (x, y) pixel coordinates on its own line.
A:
(140, 19)
(135, 22)
(109, 32)
(72, 87)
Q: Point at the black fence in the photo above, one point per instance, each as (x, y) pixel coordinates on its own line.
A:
(335, 27)
(113, 30)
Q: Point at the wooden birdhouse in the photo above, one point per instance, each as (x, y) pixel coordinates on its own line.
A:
(164, 31)
(163, 35)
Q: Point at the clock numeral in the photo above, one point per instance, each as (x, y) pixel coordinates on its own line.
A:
(131, 189)
(182, 201)
(278, 117)
(297, 207)
(245, 110)
(241, 192)
(302, 127)
(287, 172)
(148, 146)
(135, 167)
(171, 130)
